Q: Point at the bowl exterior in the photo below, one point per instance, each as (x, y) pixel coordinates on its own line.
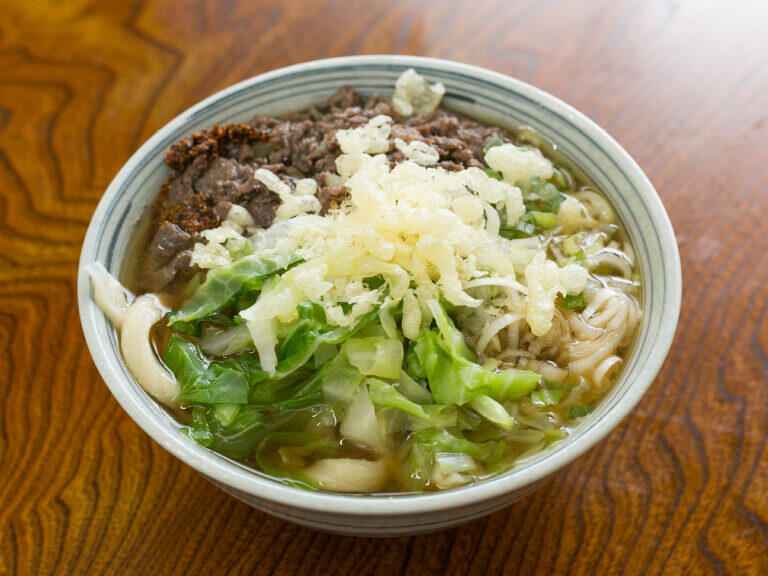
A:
(476, 92)
(407, 524)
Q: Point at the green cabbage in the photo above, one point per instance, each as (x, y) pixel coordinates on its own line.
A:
(224, 285)
(454, 378)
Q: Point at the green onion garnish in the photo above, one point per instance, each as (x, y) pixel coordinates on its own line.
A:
(492, 144)
(579, 411)
(561, 179)
(574, 301)
(493, 173)
(542, 219)
(523, 229)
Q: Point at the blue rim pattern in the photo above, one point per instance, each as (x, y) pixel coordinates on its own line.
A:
(466, 92)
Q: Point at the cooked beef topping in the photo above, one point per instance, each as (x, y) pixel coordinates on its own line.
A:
(210, 143)
(331, 197)
(166, 261)
(214, 168)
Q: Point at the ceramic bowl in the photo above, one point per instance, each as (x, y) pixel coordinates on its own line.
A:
(479, 93)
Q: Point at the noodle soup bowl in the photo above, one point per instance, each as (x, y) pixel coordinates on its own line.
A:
(476, 92)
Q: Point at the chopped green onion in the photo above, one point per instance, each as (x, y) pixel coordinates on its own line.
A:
(493, 173)
(522, 229)
(577, 258)
(579, 411)
(570, 246)
(542, 219)
(492, 144)
(562, 179)
(542, 196)
(574, 301)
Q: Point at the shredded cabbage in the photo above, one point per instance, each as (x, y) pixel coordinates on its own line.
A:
(360, 424)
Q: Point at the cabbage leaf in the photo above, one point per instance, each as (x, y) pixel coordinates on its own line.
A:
(224, 285)
(237, 435)
(201, 380)
(454, 378)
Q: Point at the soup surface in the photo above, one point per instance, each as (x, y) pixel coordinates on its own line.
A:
(376, 295)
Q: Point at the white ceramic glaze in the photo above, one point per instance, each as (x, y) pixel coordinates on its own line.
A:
(474, 91)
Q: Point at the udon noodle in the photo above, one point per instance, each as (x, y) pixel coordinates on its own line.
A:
(376, 296)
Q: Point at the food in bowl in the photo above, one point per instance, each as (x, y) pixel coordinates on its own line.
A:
(375, 296)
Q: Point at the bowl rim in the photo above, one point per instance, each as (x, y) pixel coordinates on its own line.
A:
(244, 481)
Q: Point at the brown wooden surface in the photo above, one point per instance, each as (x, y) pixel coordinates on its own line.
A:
(680, 487)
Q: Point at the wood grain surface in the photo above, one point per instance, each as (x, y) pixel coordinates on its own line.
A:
(681, 487)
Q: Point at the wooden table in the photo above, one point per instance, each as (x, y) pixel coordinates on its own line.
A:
(680, 487)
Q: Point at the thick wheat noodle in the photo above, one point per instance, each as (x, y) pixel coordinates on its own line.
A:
(138, 354)
(596, 205)
(586, 356)
(618, 322)
(588, 363)
(614, 331)
(632, 321)
(108, 293)
(597, 301)
(513, 335)
(494, 344)
(494, 328)
(591, 290)
(582, 388)
(348, 474)
(601, 319)
(629, 252)
(581, 329)
(623, 284)
(586, 348)
(604, 368)
(511, 354)
(613, 258)
(547, 369)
